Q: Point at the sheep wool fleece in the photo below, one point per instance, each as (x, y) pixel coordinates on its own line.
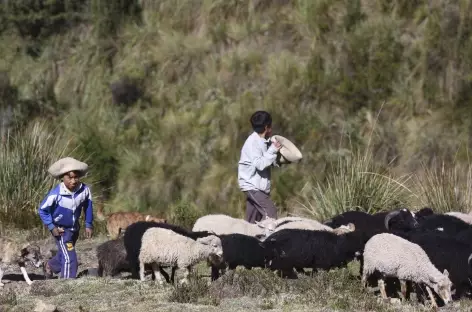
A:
(397, 257)
(167, 248)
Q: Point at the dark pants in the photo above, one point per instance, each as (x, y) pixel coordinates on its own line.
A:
(259, 205)
(65, 260)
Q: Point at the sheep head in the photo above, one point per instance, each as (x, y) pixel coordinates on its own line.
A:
(268, 225)
(405, 218)
(214, 243)
(442, 287)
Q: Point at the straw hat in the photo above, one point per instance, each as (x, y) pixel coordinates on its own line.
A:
(289, 152)
(65, 165)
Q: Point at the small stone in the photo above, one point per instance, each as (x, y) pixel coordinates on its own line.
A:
(41, 306)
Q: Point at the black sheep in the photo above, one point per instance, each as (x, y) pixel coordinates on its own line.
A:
(445, 223)
(371, 224)
(111, 256)
(135, 231)
(239, 249)
(445, 252)
(465, 236)
(422, 213)
(294, 248)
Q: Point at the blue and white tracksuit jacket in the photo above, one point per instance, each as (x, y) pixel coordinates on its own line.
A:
(62, 208)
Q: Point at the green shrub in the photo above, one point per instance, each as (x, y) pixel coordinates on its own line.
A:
(25, 157)
(184, 213)
(354, 182)
(445, 188)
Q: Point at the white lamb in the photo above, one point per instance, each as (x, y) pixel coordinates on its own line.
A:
(467, 218)
(165, 248)
(223, 224)
(392, 256)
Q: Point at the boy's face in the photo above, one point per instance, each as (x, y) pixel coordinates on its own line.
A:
(71, 180)
(268, 131)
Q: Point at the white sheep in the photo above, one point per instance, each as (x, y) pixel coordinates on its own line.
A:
(163, 248)
(309, 224)
(393, 256)
(223, 224)
(467, 218)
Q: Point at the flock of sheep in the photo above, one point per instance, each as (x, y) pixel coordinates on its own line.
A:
(415, 249)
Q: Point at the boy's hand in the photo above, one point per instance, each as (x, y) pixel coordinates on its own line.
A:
(57, 231)
(88, 233)
(277, 144)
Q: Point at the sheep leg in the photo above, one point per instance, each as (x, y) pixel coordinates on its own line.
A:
(164, 273)
(1, 276)
(230, 274)
(300, 270)
(403, 289)
(157, 273)
(186, 274)
(383, 293)
(141, 270)
(431, 296)
(215, 273)
(364, 280)
(173, 274)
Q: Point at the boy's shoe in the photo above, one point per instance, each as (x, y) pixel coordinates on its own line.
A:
(47, 271)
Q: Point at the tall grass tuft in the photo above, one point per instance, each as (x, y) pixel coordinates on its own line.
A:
(445, 188)
(355, 182)
(25, 156)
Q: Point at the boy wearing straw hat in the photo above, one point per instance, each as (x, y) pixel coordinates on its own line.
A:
(60, 211)
(254, 167)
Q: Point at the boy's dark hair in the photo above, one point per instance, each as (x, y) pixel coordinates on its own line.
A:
(259, 120)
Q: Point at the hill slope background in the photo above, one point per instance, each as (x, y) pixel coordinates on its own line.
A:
(156, 97)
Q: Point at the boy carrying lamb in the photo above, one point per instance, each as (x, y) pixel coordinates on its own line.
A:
(60, 211)
(254, 168)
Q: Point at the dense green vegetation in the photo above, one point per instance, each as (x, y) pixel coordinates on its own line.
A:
(375, 93)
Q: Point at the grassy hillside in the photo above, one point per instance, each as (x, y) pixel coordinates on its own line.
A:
(375, 93)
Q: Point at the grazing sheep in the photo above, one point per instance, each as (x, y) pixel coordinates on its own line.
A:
(238, 249)
(223, 224)
(392, 256)
(441, 222)
(423, 212)
(314, 226)
(460, 215)
(134, 234)
(401, 219)
(163, 247)
(446, 253)
(112, 260)
(111, 257)
(295, 248)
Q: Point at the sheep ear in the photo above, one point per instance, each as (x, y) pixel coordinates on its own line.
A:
(446, 273)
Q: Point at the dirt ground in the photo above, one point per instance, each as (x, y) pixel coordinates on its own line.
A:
(251, 290)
